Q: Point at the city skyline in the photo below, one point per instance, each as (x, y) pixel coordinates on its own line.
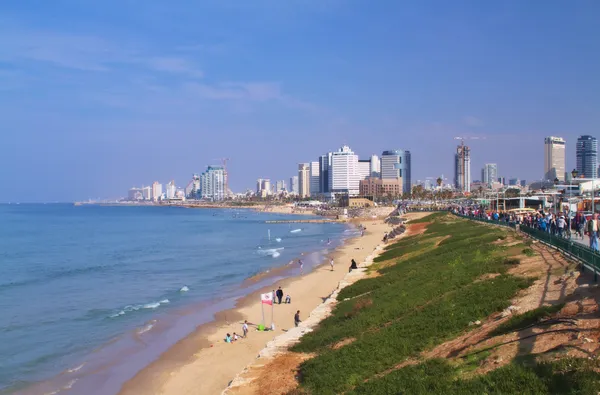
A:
(127, 94)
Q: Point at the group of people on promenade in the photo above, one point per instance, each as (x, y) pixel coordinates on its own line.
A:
(562, 224)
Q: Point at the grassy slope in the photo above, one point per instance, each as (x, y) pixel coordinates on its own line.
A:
(417, 303)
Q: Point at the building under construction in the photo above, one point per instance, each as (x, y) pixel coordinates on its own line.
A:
(462, 168)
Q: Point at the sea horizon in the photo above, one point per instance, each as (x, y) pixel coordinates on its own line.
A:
(82, 286)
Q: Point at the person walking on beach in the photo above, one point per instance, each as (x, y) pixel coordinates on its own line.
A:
(279, 295)
(297, 318)
(301, 266)
(331, 263)
(245, 328)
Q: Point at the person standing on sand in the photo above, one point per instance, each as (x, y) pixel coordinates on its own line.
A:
(301, 266)
(297, 318)
(245, 328)
(279, 295)
(331, 263)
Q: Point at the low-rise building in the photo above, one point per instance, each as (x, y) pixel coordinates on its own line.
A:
(373, 186)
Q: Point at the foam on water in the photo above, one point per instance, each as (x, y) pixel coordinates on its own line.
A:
(184, 289)
(273, 252)
(295, 230)
(75, 369)
(147, 327)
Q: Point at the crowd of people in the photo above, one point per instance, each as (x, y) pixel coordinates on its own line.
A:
(563, 224)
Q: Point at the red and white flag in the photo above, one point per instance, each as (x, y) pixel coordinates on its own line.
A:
(267, 298)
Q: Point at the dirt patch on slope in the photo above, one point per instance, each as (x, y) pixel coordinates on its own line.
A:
(574, 331)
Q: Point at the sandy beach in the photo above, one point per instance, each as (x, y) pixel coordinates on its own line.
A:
(203, 363)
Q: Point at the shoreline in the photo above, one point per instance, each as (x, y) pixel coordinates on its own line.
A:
(92, 374)
(203, 363)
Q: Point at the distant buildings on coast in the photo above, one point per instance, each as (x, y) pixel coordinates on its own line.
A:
(341, 173)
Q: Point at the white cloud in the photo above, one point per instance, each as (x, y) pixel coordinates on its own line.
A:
(254, 91)
(173, 65)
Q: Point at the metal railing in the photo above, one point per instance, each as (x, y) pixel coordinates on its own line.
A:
(589, 258)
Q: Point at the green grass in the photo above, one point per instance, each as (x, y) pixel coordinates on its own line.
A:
(528, 252)
(416, 304)
(526, 319)
(427, 218)
(567, 376)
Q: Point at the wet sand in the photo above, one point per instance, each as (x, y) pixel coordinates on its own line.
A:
(203, 363)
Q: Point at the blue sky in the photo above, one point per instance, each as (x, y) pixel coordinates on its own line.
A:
(96, 97)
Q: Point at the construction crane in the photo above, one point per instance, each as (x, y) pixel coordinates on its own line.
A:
(225, 174)
(463, 138)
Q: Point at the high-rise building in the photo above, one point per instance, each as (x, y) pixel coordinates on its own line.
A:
(396, 164)
(462, 168)
(587, 156)
(303, 180)
(266, 187)
(135, 194)
(523, 183)
(324, 166)
(212, 183)
(489, 173)
(554, 158)
(156, 191)
(280, 186)
(314, 185)
(514, 182)
(343, 173)
(259, 186)
(170, 190)
(364, 168)
(294, 185)
(375, 166)
(147, 193)
(195, 185)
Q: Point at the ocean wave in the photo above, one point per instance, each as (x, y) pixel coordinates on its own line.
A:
(278, 239)
(75, 369)
(184, 289)
(146, 327)
(273, 252)
(295, 230)
(69, 385)
(133, 308)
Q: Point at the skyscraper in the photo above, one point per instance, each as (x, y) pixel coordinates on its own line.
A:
(587, 156)
(396, 164)
(324, 165)
(303, 180)
(212, 183)
(171, 189)
(280, 186)
(554, 158)
(156, 190)
(266, 187)
(489, 173)
(314, 186)
(375, 166)
(462, 168)
(343, 173)
(294, 184)
(364, 168)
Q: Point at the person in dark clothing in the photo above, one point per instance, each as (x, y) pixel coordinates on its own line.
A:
(353, 265)
(297, 318)
(279, 294)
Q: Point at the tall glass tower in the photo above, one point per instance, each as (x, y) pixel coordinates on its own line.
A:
(587, 156)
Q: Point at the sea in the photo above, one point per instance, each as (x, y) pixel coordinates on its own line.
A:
(89, 295)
